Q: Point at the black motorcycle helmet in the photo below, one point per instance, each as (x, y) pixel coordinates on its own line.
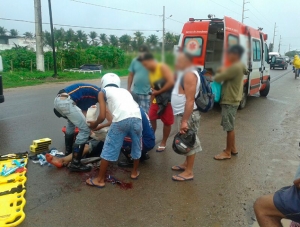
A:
(183, 143)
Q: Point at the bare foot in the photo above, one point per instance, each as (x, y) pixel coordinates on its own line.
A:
(134, 175)
(222, 156)
(178, 167)
(58, 162)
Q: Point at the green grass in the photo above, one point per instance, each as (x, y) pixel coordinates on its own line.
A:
(25, 78)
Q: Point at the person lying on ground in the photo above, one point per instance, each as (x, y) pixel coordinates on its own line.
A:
(148, 139)
(285, 203)
(71, 103)
(127, 121)
(161, 81)
(91, 149)
(232, 92)
(186, 89)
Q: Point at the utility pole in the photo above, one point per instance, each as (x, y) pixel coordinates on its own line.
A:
(52, 40)
(40, 65)
(279, 45)
(163, 38)
(274, 35)
(243, 13)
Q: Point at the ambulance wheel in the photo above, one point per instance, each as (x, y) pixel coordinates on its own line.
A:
(265, 92)
(244, 99)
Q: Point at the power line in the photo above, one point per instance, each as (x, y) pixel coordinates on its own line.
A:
(225, 7)
(260, 13)
(108, 7)
(235, 3)
(176, 21)
(78, 26)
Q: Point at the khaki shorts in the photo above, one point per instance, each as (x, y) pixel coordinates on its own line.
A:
(193, 123)
(228, 117)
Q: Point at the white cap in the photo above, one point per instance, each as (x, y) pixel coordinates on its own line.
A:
(110, 79)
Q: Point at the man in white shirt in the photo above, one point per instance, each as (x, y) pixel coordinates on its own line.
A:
(126, 121)
(184, 93)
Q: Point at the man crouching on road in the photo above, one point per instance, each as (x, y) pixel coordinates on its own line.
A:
(185, 110)
(127, 121)
(232, 92)
(71, 103)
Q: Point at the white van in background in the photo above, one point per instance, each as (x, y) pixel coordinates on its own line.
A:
(276, 54)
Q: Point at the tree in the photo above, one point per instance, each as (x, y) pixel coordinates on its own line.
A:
(13, 32)
(171, 40)
(47, 39)
(93, 35)
(152, 40)
(125, 42)
(139, 38)
(103, 39)
(82, 39)
(70, 36)
(3, 31)
(28, 35)
(114, 41)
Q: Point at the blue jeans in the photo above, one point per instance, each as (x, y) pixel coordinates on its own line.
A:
(131, 127)
(67, 108)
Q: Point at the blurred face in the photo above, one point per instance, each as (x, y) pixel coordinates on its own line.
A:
(233, 57)
(182, 62)
(149, 64)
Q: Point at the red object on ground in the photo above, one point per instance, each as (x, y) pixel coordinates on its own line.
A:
(21, 170)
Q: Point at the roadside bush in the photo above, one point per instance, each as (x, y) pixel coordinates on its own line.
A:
(23, 59)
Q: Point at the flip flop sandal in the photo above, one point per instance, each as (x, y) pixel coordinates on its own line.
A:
(232, 152)
(183, 178)
(135, 178)
(160, 147)
(221, 159)
(178, 168)
(94, 185)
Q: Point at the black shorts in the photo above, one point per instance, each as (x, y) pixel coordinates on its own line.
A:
(287, 201)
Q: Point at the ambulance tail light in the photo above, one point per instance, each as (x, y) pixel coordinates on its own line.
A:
(191, 19)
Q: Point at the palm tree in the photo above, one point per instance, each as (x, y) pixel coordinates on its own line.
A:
(70, 36)
(139, 38)
(152, 40)
(93, 35)
(81, 36)
(47, 39)
(13, 32)
(125, 42)
(3, 31)
(28, 35)
(103, 39)
(114, 41)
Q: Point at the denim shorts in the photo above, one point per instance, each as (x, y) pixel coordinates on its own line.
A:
(287, 201)
(131, 127)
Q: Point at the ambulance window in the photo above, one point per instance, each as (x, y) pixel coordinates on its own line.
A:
(256, 50)
(193, 45)
(266, 53)
(232, 40)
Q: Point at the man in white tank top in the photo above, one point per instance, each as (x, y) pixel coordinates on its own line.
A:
(185, 110)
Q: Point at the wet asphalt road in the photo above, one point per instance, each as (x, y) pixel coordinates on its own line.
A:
(222, 193)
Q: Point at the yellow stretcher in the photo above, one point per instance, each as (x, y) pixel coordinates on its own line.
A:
(12, 190)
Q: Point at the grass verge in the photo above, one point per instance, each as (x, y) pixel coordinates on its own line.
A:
(25, 78)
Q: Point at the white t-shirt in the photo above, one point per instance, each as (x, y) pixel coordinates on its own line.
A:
(178, 100)
(121, 104)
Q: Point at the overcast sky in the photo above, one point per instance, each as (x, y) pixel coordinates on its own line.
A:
(261, 13)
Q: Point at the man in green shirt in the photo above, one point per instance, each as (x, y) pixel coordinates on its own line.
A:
(139, 77)
(232, 92)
